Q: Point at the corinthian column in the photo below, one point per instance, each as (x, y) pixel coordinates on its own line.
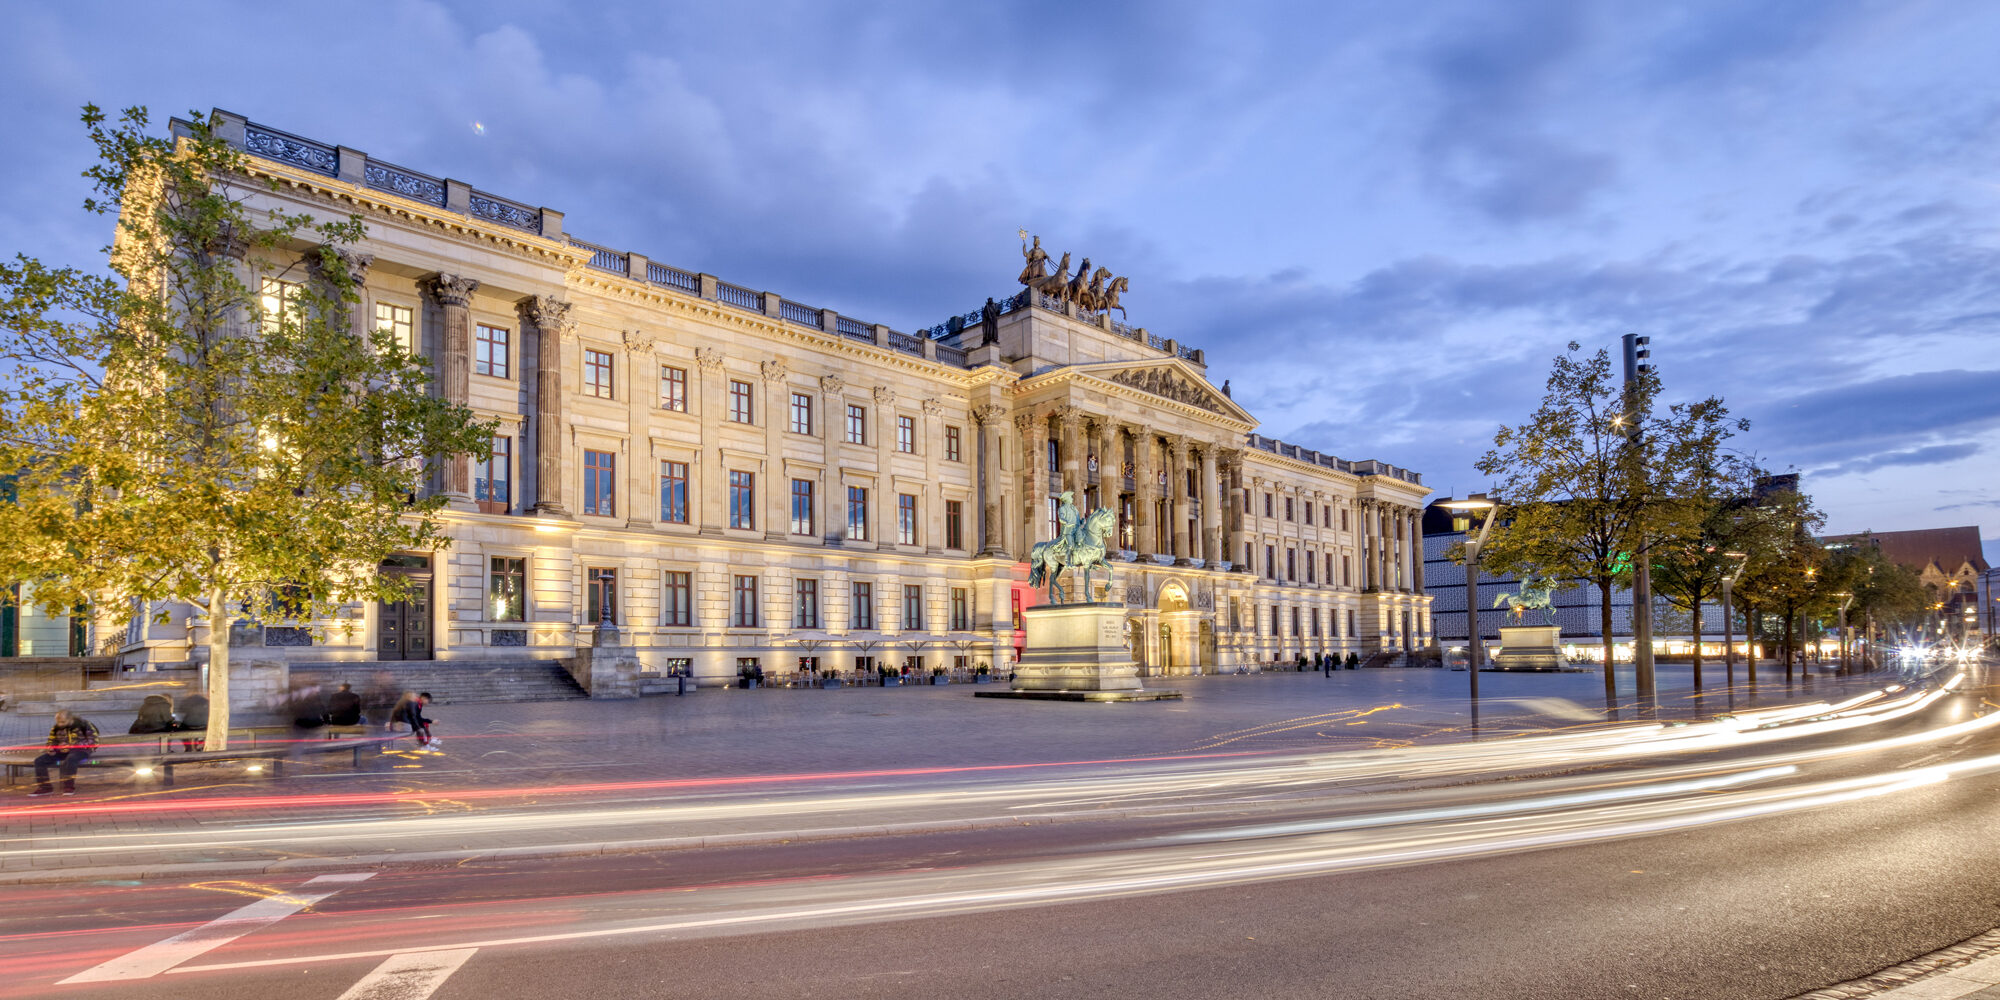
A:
(355, 264)
(990, 417)
(1177, 499)
(553, 328)
(1144, 483)
(453, 295)
(1033, 429)
(1070, 420)
(1211, 508)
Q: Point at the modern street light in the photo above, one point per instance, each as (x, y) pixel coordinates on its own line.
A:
(1474, 648)
(1729, 619)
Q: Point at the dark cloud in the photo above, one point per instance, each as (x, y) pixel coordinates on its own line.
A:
(1936, 454)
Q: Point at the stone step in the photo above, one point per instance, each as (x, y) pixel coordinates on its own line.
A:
(453, 681)
(95, 702)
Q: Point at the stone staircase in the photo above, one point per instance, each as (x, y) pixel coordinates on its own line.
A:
(452, 682)
(103, 701)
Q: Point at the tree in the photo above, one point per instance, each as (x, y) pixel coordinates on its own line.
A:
(1750, 518)
(207, 424)
(1885, 594)
(1594, 473)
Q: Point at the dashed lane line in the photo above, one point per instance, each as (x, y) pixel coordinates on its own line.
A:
(409, 976)
(161, 956)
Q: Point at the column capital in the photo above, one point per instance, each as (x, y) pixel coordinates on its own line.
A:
(885, 396)
(933, 407)
(832, 385)
(353, 262)
(709, 359)
(549, 314)
(774, 371)
(638, 341)
(1025, 422)
(451, 289)
(985, 413)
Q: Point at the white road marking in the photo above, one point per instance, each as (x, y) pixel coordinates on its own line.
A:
(161, 956)
(410, 976)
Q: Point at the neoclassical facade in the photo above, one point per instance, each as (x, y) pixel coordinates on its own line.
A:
(735, 478)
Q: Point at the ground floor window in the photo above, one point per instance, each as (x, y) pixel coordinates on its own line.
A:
(600, 596)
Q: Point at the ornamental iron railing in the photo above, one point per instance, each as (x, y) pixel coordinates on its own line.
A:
(673, 277)
(603, 258)
(738, 296)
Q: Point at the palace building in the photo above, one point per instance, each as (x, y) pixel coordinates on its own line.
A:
(737, 479)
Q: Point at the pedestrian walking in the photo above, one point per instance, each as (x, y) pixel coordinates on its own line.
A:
(71, 741)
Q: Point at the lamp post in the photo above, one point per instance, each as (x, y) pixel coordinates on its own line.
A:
(1729, 618)
(1474, 651)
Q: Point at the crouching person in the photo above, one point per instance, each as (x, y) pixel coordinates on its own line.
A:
(71, 741)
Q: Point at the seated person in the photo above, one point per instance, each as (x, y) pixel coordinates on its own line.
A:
(71, 741)
(343, 708)
(156, 715)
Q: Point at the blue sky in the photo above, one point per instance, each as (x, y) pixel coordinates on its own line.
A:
(1380, 220)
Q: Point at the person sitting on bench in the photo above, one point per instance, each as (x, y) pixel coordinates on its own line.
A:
(71, 741)
(156, 715)
(343, 707)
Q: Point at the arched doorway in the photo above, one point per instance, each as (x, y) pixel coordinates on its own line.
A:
(1178, 631)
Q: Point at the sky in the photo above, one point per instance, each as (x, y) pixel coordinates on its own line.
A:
(1380, 221)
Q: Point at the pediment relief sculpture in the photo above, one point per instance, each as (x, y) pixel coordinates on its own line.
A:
(1163, 382)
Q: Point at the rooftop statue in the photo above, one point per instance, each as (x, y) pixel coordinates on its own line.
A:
(1038, 261)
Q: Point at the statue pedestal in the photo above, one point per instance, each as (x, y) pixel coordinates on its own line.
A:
(1076, 652)
(1529, 647)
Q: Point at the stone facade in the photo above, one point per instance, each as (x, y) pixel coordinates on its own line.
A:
(725, 472)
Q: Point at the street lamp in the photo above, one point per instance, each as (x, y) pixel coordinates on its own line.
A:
(1474, 649)
(1729, 620)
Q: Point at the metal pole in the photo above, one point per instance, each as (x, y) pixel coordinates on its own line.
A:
(1642, 570)
(1472, 643)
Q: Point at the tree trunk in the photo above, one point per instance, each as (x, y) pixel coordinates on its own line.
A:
(1697, 643)
(218, 672)
(1604, 619)
(1750, 643)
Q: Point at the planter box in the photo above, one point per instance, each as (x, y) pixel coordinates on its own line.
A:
(982, 679)
(829, 682)
(935, 679)
(889, 682)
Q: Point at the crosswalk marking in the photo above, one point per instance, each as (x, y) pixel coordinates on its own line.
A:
(161, 956)
(411, 976)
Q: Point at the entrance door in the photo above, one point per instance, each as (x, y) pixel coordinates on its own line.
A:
(403, 628)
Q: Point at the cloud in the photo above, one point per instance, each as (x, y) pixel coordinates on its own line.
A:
(1936, 454)
(1968, 505)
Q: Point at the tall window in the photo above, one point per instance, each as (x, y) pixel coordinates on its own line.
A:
(673, 389)
(743, 608)
(802, 413)
(740, 403)
(1015, 608)
(1271, 562)
(599, 475)
(961, 610)
(906, 435)
(913, 607)
(954, 524)
(507, 589)
(1350, 623)
(674, 492)
(1277, 620)
(597, 373)
(398, 322)
(861, 609)
(1346, 574)
(1288, 508)
(1311, 563)
(490, 351)
(1329, 569)
(906, 519)
(600, 595)
(1326, 510)
(802, 507)
(857, 513)
(677, 599)
(278, 302)
(951, 445)
(1295, 623)
(1055, 455)
(1309, 515)
(857, 424)
(1052, 509)
(1267, 505)
(743, 500)
(1317, 617)
(1292, 565)
(492, 480)
(1343, 519)
(805, 604)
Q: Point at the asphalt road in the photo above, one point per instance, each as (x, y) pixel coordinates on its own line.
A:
(1753, 870)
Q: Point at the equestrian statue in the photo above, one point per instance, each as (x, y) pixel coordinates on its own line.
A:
(1535, 595)
(1079, 544)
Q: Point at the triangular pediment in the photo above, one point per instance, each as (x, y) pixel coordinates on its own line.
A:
(1172, 380)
